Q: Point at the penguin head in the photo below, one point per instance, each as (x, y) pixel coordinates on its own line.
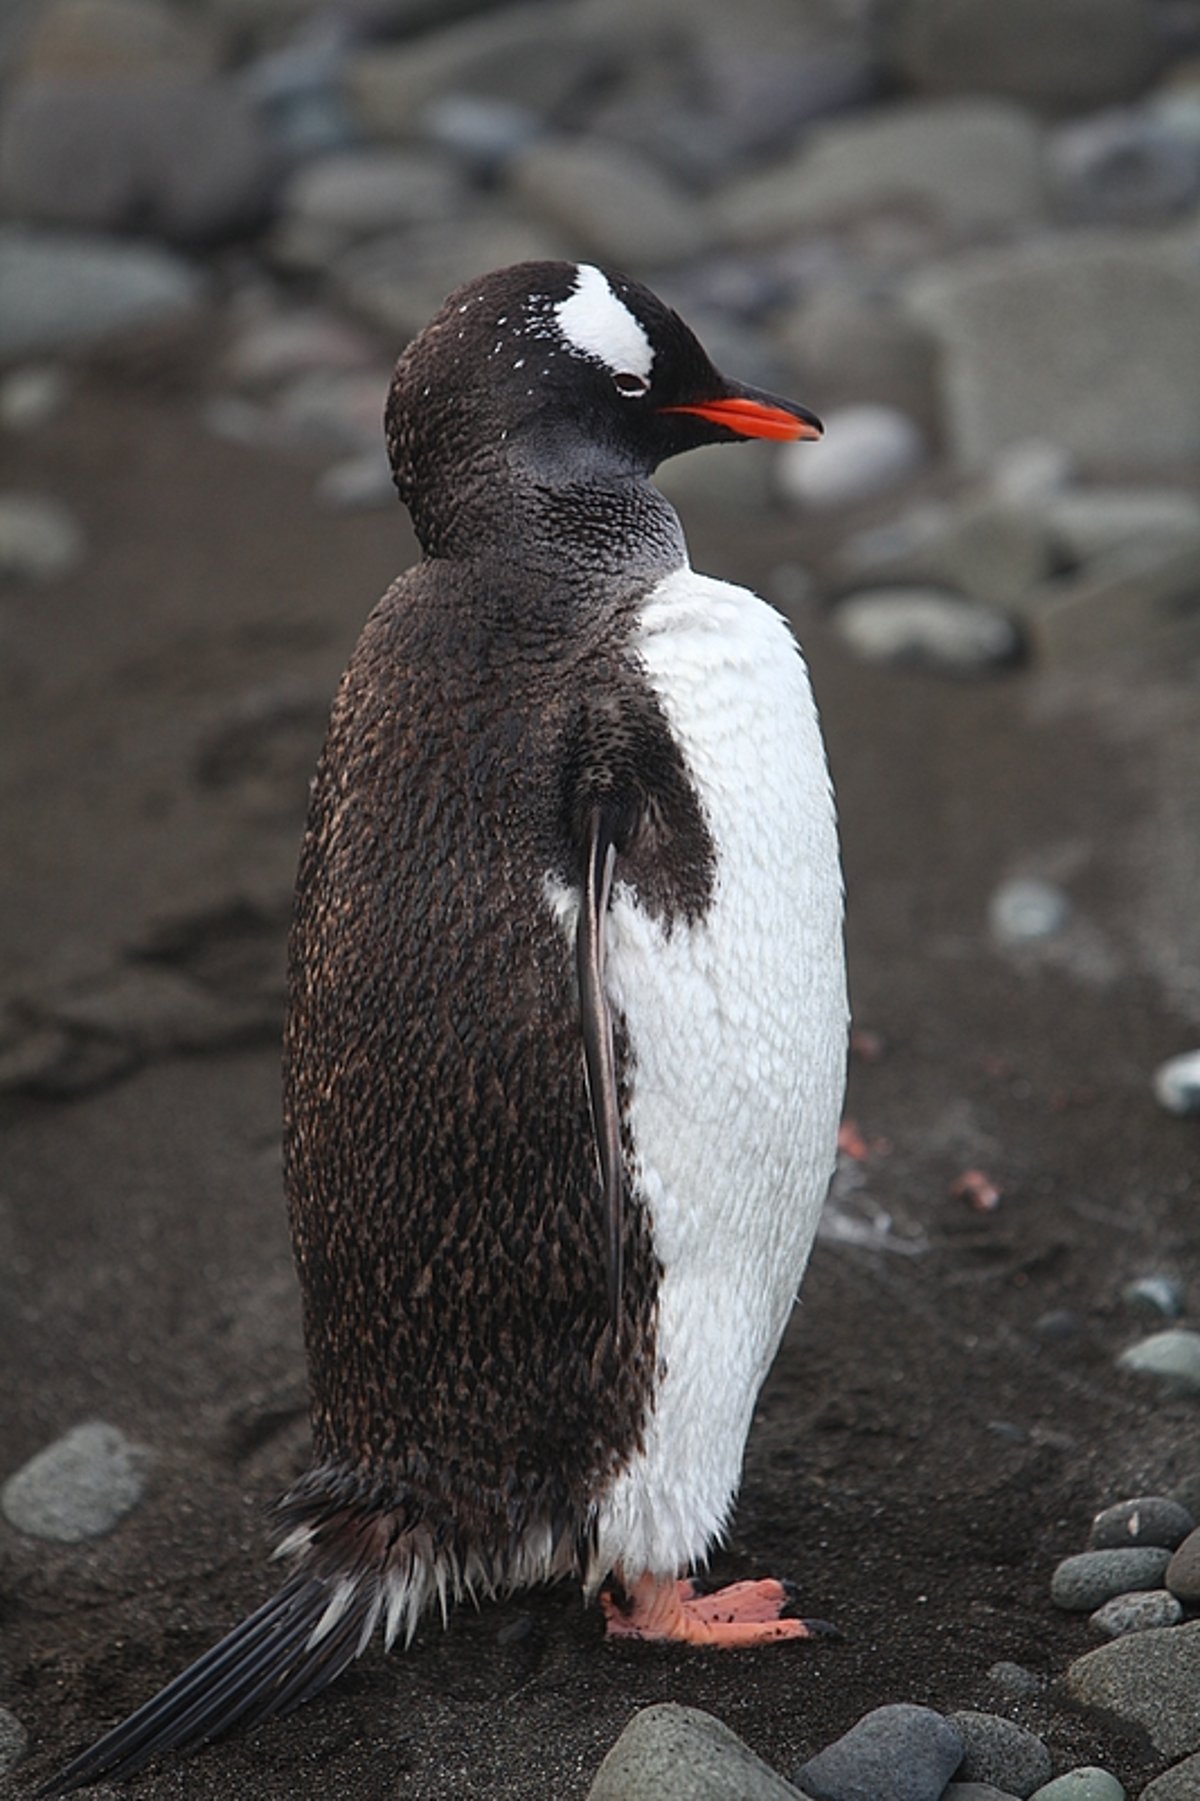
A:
(561, 374)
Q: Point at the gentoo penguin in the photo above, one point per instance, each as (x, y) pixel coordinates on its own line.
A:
(566, 1035)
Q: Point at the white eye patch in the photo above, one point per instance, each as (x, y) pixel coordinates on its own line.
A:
(598, 325)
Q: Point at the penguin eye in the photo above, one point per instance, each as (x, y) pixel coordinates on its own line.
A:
(630, 385)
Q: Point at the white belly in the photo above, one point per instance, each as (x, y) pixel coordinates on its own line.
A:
(738, 1031)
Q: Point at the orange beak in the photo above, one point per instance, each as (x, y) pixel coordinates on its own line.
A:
(755, 418)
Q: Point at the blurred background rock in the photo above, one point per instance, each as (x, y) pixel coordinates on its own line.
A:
(967, 233)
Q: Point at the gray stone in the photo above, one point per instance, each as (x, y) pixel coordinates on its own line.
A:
(1025, 910)
(672, 1753)
(896, 1753)
(64, 290)
(1159, 1297)
(966, 166)
(853, 350)
(1179, 1784)
(1076, 54)
(358, 483)
(1145, 590)
(609, 203)
(925, 628)
(1003, 380)
(39, 538)
(1014, 1679)
(32, 395)
(989, 551)
(275, 348)
(14, 1740)
(1083, 1582)
(1183, 1571)
(975, 1791)
(184, 159)
(399, 280)
(1121, 168)
(78, 1487)
(1137, 1613)
(1177, 1083)
(865, 451)
(1087, 1783)
(1142, 1520)
(995, 1750)
(1088, 522)
(335, 201)
(1147, 1679)
(1171, 1357)
(116, 40)
(1030, 472)
(482, 134)
(541, 60)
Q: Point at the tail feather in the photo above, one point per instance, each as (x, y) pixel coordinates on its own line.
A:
(267, 1665)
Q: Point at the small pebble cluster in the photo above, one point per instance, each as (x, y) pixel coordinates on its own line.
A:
(895, 1753)
(1139, 1581)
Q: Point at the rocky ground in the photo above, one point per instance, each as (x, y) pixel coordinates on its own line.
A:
(970, 237)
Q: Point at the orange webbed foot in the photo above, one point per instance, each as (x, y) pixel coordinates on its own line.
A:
(743, 1614)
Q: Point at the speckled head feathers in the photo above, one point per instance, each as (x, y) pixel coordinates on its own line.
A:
(554, 374)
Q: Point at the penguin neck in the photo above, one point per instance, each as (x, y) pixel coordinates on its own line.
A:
(606, 523)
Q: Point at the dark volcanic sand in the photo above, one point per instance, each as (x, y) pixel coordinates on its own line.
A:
(923, 1452)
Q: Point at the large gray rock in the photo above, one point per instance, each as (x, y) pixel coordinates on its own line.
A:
(609, 203)
(671, 1753)
(39, 538)
(541, 58)
(1179, 1784)
(65, 290)
(896, 1753)
(116, 40)
(859, 350)
(1091, 339)
(1148, 1679)
(1058, 54)
(968, 167)
(337, 200)
(399, 280)
(78, 1487)
(1123, 168)
(184, 159)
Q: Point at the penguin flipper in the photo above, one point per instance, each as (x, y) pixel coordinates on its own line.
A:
(598, 1055)
(282, 1655)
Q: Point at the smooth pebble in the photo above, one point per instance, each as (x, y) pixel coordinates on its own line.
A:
(1087, 1783)
(998, 1751)
(1142, 1520)
(926, 628)
(1177, 1083)
(672, 1753)
(1081, 1583)
(1183, 1571)
(1025, 909)
(1173, 1357)
(1014, 1678)
(76, 1488)
(1160, 1296)
(865, 451)
(896, 1753)
(39, 538)
(1139, 1612)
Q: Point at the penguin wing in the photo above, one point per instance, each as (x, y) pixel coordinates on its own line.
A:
(598, 1056)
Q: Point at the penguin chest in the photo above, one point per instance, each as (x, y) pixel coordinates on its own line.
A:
(736, 1030)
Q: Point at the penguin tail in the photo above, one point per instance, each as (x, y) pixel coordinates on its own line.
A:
(279, 1657)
